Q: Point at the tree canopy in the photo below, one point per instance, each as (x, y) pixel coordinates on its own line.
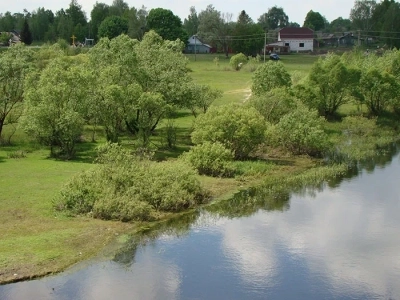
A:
(166, 24)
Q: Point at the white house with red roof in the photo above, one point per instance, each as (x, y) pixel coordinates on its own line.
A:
(298, 39)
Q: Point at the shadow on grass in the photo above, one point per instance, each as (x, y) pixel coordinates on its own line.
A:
(86, 152)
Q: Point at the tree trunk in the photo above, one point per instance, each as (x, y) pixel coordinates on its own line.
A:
(1, 126)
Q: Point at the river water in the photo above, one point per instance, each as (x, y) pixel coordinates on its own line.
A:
(339, 240)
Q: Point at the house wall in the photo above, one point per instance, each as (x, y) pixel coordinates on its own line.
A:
(294, 44)
(199, 49)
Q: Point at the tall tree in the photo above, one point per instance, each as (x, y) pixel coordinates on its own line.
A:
(40, 22)
(361, 14)
(248, 37)
(99, 12)
(15, 64)
(166, 24)
(112, 27)
(26, 35)
(274, 18)
(191, 24)
(314, 20)
(216, 28)
(137, 22)
(340, 25)
(119, 8)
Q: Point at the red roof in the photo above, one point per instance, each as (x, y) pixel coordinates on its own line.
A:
(296, 33)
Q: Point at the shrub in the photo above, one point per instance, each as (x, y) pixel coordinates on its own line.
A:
(268, 76)
(237, 61)
(301, 132)
(125, 187)
(274, 104)
(210, 159)
(240, 129)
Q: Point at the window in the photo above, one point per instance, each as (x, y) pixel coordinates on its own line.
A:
(287, 44)
(301, 45)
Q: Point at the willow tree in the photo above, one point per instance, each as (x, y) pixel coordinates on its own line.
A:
(15, 64)
(136, 83)
(54, 105)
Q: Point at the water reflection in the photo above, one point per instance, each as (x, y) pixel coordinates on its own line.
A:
(333, 240)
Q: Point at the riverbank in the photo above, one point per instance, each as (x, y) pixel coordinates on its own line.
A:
(37, 241)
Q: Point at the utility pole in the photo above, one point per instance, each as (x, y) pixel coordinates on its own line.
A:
(359, 41)
(195, 46)
(265, 42)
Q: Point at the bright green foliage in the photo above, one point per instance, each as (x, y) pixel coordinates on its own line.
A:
(5, 38)
(332, 83)
(274, 104)
(112, 27)
(268, 76)
(300, 132)
(125, 187)
(53, 112)
(200, 97)
(240, 129)
(15, 64)
(135, 84)
(237, 61)
(166, 24)
(378, 89)
(210, 159)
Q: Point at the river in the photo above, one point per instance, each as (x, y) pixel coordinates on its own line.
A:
(339, 240)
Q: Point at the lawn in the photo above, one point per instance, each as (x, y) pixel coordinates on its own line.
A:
(35, 240)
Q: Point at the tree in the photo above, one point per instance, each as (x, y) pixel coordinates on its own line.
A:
(137, 83)
(137, 22)
(119, 8)
(361, 14)
(99, 12)
(333, 83)
(377, 90)
(293, 25)
(249, 37)
(240, 129)
(314, 20)
(15, 64)
(200, 97)
(269, 76)
(340, 25)
(274, 18)
(191, 24)
(26, 35)
(39, 23)
(166, 24)
(112, 27)
(54, 104)
(216, 28)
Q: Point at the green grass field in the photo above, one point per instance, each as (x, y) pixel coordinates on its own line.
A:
(36, 241)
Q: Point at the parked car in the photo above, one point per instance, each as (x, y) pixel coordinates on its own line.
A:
(274, 56)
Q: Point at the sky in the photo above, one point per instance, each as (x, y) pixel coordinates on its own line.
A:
(295, 9)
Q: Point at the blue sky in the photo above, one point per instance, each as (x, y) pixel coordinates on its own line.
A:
(296, 10)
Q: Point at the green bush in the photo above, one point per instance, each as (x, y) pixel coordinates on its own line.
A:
(274, 104)
(300, 132)
(210, 159)
(240, 129)
(237, 61)
(268, 76)
(125, 187)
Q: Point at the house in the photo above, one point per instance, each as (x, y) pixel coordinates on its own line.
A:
(194, 45)
(298, 39)
(14, 37)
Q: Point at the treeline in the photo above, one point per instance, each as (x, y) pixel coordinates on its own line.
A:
(219, 29)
